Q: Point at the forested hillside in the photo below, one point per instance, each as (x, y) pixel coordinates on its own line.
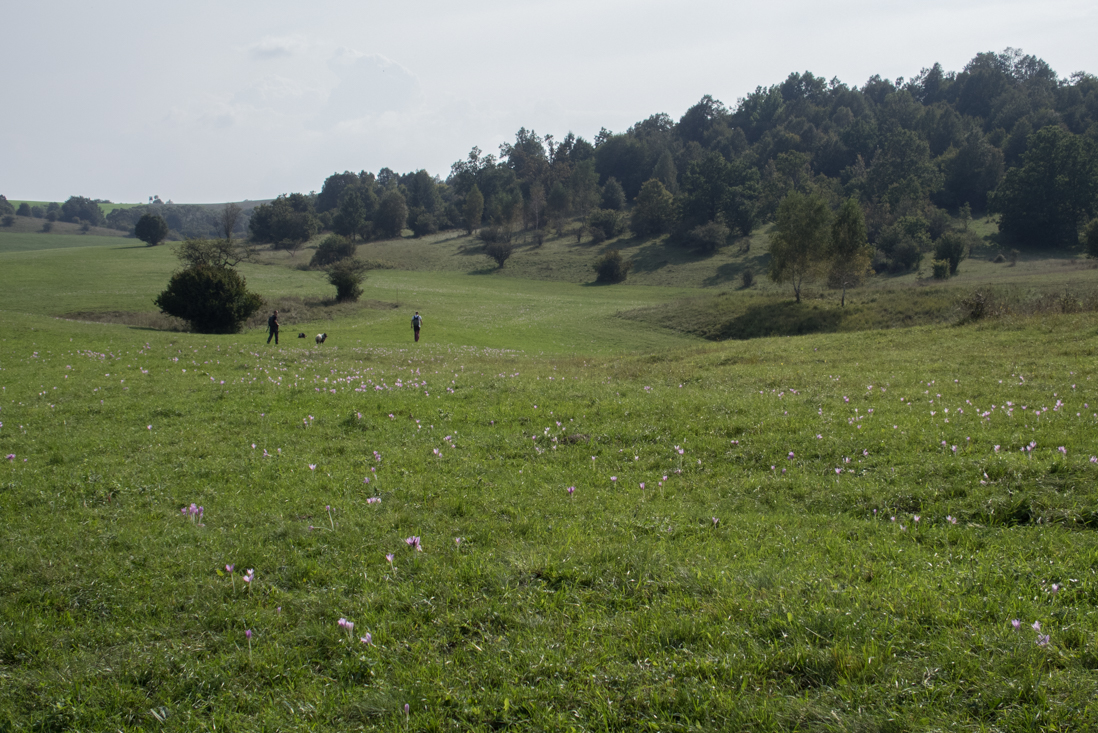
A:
(1006, 135)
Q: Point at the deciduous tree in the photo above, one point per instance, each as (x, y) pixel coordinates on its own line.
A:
(848, 250)
(798, 246)
(151, 229)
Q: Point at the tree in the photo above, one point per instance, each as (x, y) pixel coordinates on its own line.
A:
(23, 210)
(535, 205)
(212, 299)
(848, 251)
(1054, 191)
(1090, 237)
(223, 253)
(611, 268)
(392, 214)
(333, 249)
(6, 208)
(347, 275)
(287, 222)
(653, 211)
(473, 209)
(798, 246)
(585, 191)
(499, 251)
(357, 207)
(79, 208)
(613, 195)
(151, 229)
(228, 219)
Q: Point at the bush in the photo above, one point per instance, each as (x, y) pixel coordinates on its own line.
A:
(709, 237)
(499, 251)
(611, 268)
(8, 220)
(494, 234)
(333, 249)
(423, 223)
(940, 269)
(609, 222)
(347, 275)
(748, 278)
(151, 229)
(24, 209)
(211, 299)
(953, 248)
(47, 226)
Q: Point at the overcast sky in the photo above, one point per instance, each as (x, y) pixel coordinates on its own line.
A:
(204, 101)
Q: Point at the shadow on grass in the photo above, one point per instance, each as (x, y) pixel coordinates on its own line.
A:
(651, 255)
(732, 271)
(778, 319)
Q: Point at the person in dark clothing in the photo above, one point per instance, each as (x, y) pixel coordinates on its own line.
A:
(272, 326)
(417, 321)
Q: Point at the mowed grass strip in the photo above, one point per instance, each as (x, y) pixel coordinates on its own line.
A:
(771, 535)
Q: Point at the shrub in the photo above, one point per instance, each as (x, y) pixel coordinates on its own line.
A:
(748, 278)
(347, 275)
(47, 226)
(24, 209)
(611, 268)
(499, 251)
(494, 234)
(952, 247)
(423, 223)
(709, 237)
(211, 299)
(940, 269)
(609, 222)
(8, 220)
(333, 249)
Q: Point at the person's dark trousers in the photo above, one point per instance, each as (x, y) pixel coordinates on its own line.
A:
(274, 335)
(417, 335)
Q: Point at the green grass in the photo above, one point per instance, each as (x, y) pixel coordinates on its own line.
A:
(762, 585)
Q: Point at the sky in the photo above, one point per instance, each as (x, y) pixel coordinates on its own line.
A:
(205, 102)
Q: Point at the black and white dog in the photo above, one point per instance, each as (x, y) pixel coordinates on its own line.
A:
(321, 338)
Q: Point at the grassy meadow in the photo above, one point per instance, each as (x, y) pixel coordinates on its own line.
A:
(564, 509)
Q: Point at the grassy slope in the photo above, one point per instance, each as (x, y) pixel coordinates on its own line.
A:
(803, 607)
(617, 607)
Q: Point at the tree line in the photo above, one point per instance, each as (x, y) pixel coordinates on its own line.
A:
(1005, 135)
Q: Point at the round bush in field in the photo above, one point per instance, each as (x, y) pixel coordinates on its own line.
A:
(347, 275)
(611, 268)
(151, 229)
(212, 299)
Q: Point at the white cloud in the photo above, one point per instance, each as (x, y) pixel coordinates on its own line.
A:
(272, 47)
(369, 86)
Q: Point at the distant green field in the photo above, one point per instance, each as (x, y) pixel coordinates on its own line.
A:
(106, 208)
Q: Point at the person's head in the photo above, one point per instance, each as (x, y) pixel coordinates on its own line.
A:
(276, 313)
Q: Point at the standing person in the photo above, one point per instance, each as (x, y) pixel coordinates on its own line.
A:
(272, 326)
(416, 323)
